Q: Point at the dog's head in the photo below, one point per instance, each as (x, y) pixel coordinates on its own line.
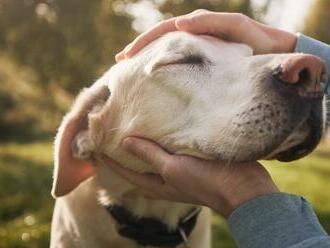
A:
(194, 95)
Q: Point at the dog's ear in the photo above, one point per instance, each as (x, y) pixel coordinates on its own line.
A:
(69, 169)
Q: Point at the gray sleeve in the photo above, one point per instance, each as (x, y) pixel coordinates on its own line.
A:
(309, 45)
(277, 220)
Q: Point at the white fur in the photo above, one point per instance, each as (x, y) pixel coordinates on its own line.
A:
(201, 110)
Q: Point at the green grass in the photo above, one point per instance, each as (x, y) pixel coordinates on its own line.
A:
(26, 204)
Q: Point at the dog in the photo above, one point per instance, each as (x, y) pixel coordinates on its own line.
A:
(194, 95)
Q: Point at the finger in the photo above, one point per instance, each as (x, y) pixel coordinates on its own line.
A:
(151, 185)
(218, 24)
(143, 180)
(150, 35)
(171, 194)
(121, 55)
(148, 151)
(166, 192)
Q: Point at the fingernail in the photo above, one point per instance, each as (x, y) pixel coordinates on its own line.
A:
(120, 56)
(125, 53)
(128, 54)
(128, 48)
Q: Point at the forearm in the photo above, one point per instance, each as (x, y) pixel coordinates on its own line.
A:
(277, 220)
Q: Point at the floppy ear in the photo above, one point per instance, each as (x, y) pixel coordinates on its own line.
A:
(70, 171)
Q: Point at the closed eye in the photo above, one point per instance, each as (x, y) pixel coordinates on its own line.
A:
(192, 59)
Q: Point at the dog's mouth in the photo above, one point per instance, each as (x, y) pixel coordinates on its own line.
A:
(314, 124)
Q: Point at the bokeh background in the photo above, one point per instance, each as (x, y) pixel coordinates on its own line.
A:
(50, 49)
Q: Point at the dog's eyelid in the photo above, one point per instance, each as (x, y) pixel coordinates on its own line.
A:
(195, 59)
(178, 59)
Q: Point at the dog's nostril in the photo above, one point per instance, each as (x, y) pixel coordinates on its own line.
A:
(277, 73)
(301, 74)
(304, 76)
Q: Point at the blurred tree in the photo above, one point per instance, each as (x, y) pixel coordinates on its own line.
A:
(62, 40)
(318, 21)
(179, 7)
(65, 45)
(60, 46)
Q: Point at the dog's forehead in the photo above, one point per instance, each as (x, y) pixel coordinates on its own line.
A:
(177, 43)
(186, 43)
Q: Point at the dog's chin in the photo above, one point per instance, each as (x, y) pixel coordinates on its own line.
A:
(301, 150)
(312, 128)
(309, 142)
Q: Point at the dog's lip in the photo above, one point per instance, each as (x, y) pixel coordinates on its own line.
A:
(308, 145)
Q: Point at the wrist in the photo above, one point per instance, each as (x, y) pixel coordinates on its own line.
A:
(244, 195)
(284, 42)
(265, 39)
(244, 187)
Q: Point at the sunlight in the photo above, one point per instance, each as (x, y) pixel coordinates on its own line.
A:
(287, 14)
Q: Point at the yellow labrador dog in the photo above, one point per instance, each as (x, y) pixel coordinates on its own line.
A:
(194, 95)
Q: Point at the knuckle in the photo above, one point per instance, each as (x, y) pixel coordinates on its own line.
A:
(164, 22)
(240, 19)
(171, 169)
(239, 15)
(169, 193)
(160, 24)
(166, 172)
(241, 23)
(201, 16)
(144, 153)
(200, 11)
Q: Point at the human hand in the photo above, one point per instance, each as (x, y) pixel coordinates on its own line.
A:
(215, 184)
(232, 27)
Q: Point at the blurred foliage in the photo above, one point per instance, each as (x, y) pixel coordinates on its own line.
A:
(63, 41)
(26, 205)
(175, 7)
(26, 112)
(318, 21)
(50, 49)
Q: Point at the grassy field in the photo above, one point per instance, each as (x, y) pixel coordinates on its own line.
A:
(26, 205)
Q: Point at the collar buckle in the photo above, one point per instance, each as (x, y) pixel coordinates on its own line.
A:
(192, 214)
(184, 238)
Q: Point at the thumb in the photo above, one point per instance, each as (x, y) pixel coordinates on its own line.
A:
(148, 151)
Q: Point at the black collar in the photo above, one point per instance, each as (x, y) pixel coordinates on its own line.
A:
(149, 231)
